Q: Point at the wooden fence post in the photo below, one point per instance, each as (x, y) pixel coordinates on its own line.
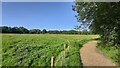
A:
(75, 44)
(64, 50)
(52, 61)
(68, 44)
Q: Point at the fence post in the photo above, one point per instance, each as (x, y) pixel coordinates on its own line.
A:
(68, 44)
(52, 61)
(64, 50)
(75, 44)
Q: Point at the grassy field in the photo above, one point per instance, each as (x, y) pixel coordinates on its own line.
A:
(37, 49)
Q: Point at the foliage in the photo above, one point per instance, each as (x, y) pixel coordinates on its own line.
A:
(22, 30)
(78, 28)
(37, 49)
(35, 31)
(85, 32)
(102, 18)
(44, 31)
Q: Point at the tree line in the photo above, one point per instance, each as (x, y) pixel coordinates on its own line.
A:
(23, 30)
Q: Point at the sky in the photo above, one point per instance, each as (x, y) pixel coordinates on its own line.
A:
(39, 15)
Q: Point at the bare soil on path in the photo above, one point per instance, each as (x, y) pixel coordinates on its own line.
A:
(91, 56)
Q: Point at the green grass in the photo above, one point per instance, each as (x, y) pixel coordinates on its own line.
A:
(72, 57)
(110, 51)
(37, 49)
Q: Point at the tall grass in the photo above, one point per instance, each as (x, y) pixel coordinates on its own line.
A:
(37, 49)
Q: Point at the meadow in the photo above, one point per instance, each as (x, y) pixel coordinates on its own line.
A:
(37, 49)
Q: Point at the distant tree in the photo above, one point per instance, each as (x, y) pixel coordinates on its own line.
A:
(44, 31)
(77, 28)
(54, 32)
(0, 29)
(23, 30)
(35, 31)
(84, 32)
(6, 29)
(72, 32)
(38, 31)
(62, 32)
(15, 30)
(32, 31)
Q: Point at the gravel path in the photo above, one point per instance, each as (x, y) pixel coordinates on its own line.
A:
(91, 56)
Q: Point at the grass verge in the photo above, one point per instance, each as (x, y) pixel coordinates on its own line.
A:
(110, 51)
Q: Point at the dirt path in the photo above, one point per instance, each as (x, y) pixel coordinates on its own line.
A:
(91, 56)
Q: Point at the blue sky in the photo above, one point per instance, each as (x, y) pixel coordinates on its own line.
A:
(39, 15)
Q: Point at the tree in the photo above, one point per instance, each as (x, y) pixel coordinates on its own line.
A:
(54, 32)
(5, 29)
(0, 29)
(34, 31)
(44, 31)
(15, 30)
(72, 32)
(38, 31)
(102, 18)
(23, 30)
(85, 32)
(78, 28)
